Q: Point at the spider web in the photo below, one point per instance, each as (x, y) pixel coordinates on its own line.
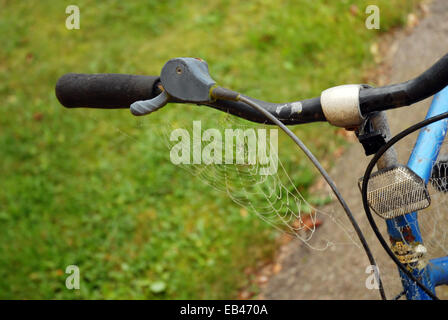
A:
(274, 198)
(279, 199)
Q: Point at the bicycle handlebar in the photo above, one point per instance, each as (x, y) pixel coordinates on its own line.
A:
(403, 94)
(112, 91)
(300, 112)
(104, 91)
(186, 80)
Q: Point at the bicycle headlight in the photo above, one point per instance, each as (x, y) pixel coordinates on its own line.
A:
(395, 191)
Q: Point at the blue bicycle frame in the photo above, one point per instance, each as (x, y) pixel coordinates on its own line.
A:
(405, 228)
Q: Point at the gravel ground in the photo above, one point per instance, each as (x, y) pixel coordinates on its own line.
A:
(339, 272)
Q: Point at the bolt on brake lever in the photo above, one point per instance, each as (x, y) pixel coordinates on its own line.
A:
(185, 80)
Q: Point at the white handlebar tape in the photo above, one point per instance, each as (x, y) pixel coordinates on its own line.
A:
(341, 105)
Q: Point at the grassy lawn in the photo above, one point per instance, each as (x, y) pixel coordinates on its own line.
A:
(96, 188)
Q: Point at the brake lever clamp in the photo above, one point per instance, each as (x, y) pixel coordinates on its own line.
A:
(184, 80)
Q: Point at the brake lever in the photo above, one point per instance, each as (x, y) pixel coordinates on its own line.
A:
(143, 107)
(184, 80)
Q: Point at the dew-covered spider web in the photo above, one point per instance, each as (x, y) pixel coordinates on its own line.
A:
(287, 199)
(261, 184)
(281, 199)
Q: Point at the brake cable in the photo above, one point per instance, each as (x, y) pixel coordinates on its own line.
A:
(365, 181)
(226, 94)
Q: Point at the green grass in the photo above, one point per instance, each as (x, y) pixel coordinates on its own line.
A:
(96, 189)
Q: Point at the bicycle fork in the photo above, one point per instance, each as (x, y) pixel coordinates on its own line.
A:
(404, 232)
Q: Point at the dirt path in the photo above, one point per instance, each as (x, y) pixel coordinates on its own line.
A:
(339, 272)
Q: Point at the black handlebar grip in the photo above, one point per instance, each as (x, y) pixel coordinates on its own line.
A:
(105, 91)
